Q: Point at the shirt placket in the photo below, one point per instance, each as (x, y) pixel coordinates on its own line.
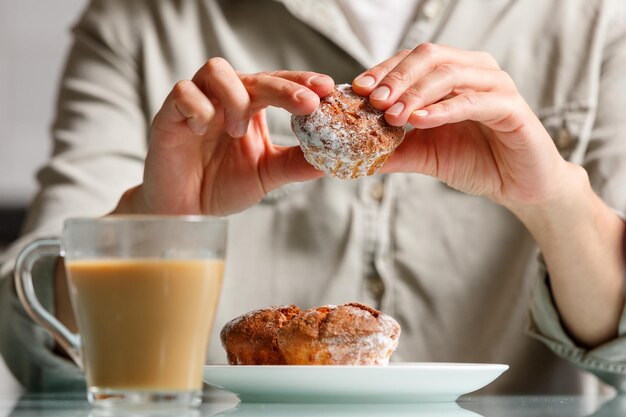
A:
(372, 195)
(425, 28)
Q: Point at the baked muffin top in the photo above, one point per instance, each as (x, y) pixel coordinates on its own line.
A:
(347, 127)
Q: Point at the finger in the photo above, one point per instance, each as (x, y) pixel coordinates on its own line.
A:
(420, 62)
(499, 112)
(220, 81)
(416, 153)
(185, 107)
(267, 90)
(283, 164)
(364, 83)
(286, 164)
(320, 84)
(444, 80)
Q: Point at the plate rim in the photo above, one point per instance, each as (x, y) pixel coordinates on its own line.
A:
(226, 377)
(396, 365)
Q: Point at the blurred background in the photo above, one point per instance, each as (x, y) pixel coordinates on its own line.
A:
(34, 38)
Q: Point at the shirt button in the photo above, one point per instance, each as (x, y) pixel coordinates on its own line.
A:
(564, 141)
(431, 9)
(377, 191)
(376, 287)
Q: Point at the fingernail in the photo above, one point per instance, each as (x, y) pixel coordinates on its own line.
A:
(381, 93)
(240, 129)
(197, 126)
(396, 109)
(420, 113)
(365, 81)
(210, 110)
(304, 95)
(203, 129)
(318, 80)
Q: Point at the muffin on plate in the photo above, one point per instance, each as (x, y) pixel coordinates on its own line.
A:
(346, 137)
(349, 334)
(251, 339)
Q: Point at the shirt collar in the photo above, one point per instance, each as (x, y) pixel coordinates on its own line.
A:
(327, 18)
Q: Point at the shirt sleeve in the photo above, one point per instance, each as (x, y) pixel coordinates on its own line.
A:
(26, 347)
(606, 164)
(99, 145)
(607, 361)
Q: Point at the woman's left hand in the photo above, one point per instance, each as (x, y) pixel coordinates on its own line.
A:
(473, 130)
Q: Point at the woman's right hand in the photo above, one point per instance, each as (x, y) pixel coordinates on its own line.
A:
(210, 150)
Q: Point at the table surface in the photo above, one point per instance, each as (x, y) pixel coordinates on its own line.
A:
(221, 404)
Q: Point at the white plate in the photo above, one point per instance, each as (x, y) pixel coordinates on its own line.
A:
(347, 410)
(396, 383)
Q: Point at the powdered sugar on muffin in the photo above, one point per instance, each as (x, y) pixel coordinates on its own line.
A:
(346, 137)
(350, 334)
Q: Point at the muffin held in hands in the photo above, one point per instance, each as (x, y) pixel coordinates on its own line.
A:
(349, 334)
(346, 137)
(251, 339)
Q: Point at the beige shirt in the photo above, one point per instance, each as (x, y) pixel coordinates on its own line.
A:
(380, 25)
(455, 270)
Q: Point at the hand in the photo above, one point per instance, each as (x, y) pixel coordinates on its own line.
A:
(210, 150)
(475, 132)
(473, 129)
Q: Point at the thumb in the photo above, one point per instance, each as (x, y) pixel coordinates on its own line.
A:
(286, 164)
(282, 164)
(415, 154)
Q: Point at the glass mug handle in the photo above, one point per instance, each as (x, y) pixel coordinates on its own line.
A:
(26, 293)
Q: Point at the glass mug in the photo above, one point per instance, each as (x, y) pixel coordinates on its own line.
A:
(144, 291)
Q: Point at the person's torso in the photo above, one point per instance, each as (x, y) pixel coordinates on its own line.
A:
(455, 270)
